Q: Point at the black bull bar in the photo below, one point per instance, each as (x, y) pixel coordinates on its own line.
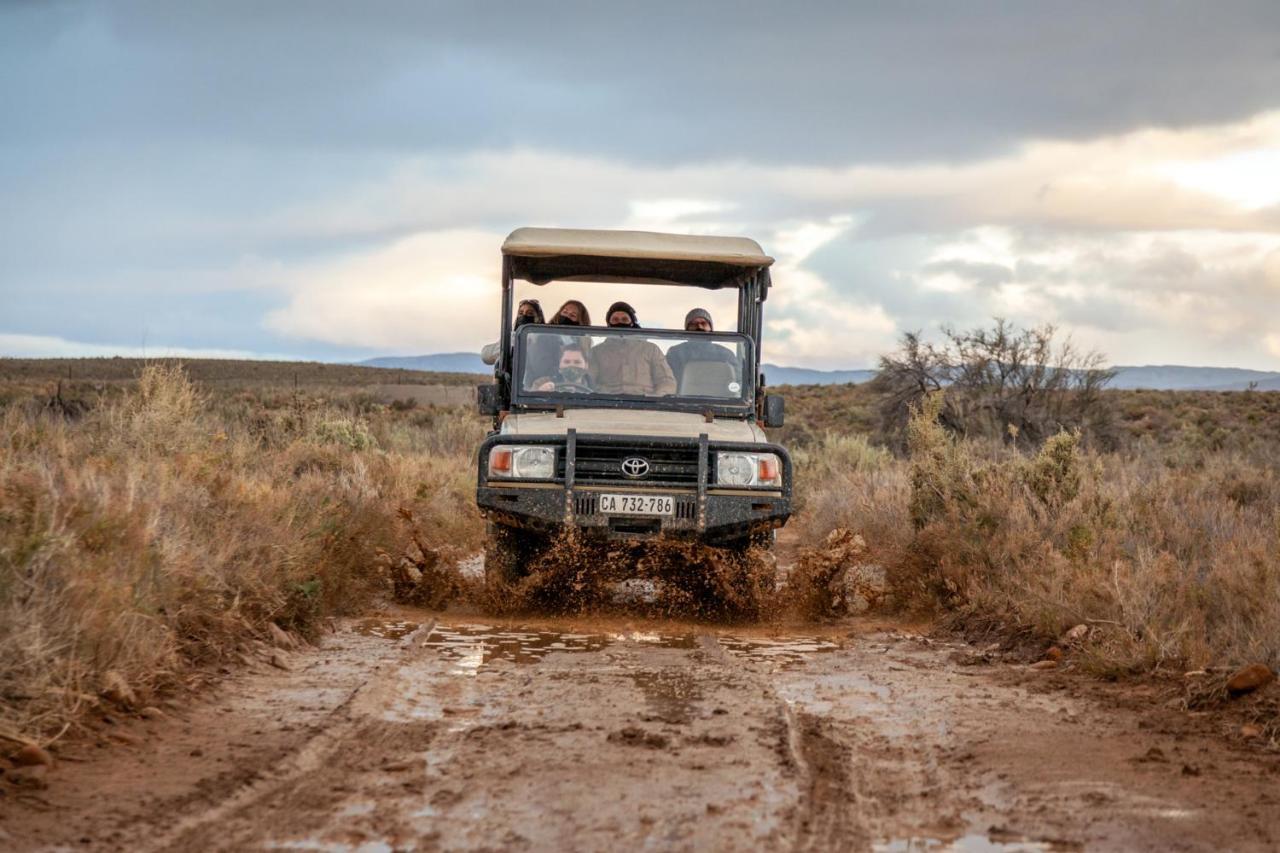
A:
(703, 509)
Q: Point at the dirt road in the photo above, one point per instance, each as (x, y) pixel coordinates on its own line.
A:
(413, 732)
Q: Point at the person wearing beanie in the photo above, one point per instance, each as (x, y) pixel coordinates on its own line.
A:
(614, 316)
(529, 311)
(629, 364)
(680, 356)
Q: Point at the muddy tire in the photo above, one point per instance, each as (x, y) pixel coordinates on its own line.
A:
(763, 540)
(507, 553)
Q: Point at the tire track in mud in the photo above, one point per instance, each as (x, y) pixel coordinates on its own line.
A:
(343, 727)
(619, 732)
(826, 814)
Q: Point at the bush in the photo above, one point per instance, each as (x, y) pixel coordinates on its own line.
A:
(166, 528)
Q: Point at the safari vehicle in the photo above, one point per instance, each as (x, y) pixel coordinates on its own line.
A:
(605, 455)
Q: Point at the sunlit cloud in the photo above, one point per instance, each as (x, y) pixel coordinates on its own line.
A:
(48, 346)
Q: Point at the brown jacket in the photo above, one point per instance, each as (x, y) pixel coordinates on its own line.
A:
(631, 366)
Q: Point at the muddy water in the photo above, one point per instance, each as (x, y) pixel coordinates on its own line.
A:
(474, 646)
(425, 731)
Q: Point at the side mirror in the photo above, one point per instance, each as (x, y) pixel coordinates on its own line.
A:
(487, 400)
(774, 410)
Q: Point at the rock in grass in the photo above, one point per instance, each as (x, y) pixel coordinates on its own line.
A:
(1249, 679)
(280, 637)
(31, 755)
(1078, 634)
(116, 689)
(1044, 664)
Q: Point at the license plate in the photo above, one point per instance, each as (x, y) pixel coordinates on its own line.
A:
(637, 505)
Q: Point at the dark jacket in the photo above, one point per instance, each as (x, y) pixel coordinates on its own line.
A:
(681, 355)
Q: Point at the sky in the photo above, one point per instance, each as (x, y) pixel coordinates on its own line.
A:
(333, 180)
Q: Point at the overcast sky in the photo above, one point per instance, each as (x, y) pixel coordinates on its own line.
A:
(333, 180)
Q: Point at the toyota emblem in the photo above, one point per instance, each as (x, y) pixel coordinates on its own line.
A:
(635, 467)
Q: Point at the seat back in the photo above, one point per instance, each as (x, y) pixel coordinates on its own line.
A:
(706, 379)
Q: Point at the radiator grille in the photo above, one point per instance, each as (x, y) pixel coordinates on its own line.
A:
(602, 464)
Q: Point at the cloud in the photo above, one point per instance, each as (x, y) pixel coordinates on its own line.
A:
(235, 176)
(832, 83)
(47, 346)
(429, 292)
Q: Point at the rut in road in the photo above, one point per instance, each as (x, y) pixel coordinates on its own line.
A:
(461, 742)
(606, 733)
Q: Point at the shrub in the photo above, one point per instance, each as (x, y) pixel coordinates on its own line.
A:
(167, 527)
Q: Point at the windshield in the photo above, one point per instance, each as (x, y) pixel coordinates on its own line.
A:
(564, 362)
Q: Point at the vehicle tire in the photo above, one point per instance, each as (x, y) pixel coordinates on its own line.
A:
(748, 588)
(506, 552)
(764, 540)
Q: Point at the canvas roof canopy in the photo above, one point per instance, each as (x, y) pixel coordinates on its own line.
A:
(541, 255)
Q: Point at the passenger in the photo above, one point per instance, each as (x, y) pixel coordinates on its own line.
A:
(544, 350)
(572, 313)
(627, 364)
(682, 355)
(529, 311)
(572, 376)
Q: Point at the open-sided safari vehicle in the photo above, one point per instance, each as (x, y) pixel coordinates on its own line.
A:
(616, 454)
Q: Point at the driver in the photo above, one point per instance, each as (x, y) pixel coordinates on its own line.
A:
(572, 373)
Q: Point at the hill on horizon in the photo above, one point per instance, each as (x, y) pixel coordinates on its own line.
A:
(1167, 377)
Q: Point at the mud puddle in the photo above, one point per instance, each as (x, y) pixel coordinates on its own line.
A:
(386, 629)
(779, 651)
(474, 646)
(993, 843)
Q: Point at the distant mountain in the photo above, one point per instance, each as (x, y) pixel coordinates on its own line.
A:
(443, 362)
(1172, 377)
(776, 375)
(465, 362)
(1167, 377)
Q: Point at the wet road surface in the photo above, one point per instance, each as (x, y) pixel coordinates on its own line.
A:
(425, 732)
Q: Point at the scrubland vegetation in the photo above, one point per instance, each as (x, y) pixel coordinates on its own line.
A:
(1171, 558)
(150, 527)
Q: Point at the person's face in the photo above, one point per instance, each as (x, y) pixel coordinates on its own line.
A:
(570, 312)
(698, 324)
(526, 310)
(619, 318)
(572, 358)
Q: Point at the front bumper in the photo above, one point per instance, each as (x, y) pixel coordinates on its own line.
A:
(702, 511)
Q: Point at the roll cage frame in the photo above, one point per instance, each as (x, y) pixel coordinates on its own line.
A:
(721, 406)
(752, 284)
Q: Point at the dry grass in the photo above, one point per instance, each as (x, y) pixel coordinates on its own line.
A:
(1175, 563)
(163, 528)
(223, 372)
(1178, 426)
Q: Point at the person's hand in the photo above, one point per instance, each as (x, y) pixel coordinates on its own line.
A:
(546, 386)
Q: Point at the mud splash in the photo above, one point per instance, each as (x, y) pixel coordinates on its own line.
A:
(662, 579)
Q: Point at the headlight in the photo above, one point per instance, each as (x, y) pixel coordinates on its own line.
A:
(748, 469)
(517, 462)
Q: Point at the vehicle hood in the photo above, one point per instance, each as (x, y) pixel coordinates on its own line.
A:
(631, 422)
